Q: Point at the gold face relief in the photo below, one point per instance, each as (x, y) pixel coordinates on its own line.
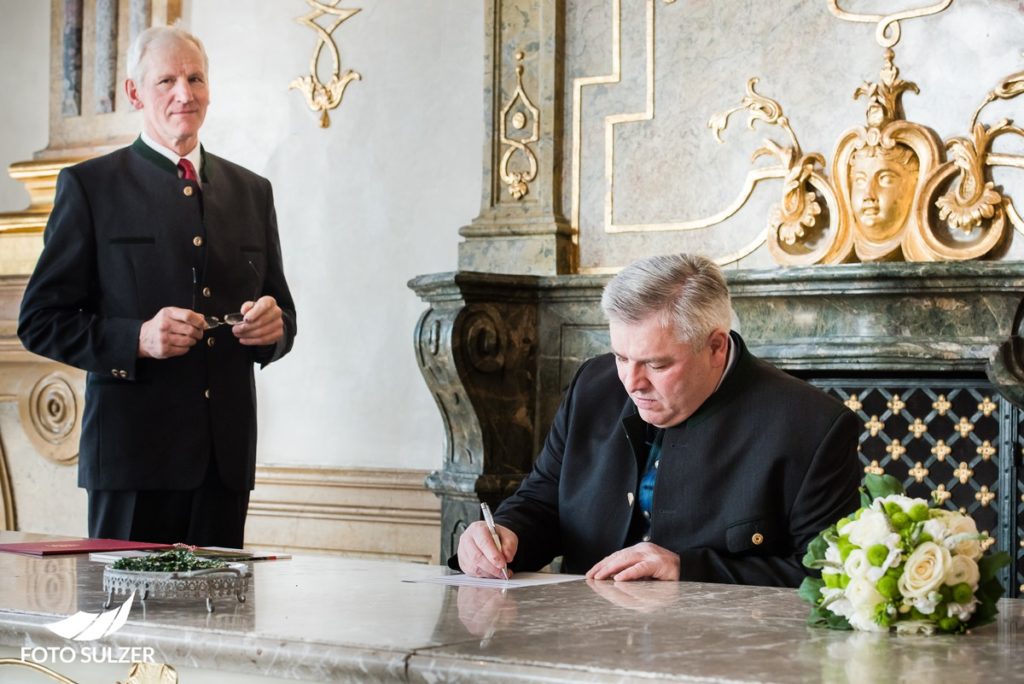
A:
(881, 192)
(892, 194)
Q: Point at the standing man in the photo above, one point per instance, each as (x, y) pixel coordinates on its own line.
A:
(145, 252)
(679, 456)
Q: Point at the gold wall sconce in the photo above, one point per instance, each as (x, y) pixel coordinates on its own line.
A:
(322, 97)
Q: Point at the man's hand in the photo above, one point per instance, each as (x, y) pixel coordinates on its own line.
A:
(479, 557)
(263, 324)
(172, 332)
(642, 561)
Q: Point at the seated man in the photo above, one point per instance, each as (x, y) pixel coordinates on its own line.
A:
(679, 456)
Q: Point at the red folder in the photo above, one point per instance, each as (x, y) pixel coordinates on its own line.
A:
(53, 548)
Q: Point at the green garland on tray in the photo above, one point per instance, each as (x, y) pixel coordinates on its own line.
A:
(179, 559)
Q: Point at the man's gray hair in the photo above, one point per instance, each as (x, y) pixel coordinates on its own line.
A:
(685, 291)
(155, 35)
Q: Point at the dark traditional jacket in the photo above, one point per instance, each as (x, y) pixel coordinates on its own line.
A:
(743, 485)
(126, 238)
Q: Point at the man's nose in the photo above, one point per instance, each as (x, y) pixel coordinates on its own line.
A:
(633, 377)
(183, 90)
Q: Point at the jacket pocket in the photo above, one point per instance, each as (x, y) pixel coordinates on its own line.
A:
(754, 535)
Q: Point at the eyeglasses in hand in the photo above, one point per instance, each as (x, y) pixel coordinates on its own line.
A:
(227, 319)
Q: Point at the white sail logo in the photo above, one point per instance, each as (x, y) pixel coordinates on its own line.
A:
(84, 626)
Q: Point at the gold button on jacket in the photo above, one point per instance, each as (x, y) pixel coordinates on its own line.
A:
(757, 538)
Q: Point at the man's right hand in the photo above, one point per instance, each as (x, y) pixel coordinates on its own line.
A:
(479, 557)
(172, 332)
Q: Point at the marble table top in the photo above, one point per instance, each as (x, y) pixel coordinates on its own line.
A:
(320, 618)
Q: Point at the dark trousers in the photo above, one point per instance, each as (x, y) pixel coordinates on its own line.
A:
(211, 515)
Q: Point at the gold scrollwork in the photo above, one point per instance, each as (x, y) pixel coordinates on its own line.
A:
(53, 409)
(892, 194)
(525, 114)
(320, 96)
(888, 31)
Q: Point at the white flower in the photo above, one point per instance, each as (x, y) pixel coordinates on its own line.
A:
(833, 559)
(872, 528)
(926, 604)
(865, 621)
(904, 502)
(962, 611)
(962, 569)
(924, 571)
(863, 595)
(857, 564)
(936, 529)
(962, 536)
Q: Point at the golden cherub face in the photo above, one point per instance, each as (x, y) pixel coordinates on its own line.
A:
(882, 184)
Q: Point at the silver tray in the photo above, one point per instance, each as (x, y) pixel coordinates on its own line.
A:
(208, 584)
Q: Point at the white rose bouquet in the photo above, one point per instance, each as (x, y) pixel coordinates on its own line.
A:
(898, 563)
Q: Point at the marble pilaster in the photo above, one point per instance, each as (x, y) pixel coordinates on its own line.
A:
(521, 227)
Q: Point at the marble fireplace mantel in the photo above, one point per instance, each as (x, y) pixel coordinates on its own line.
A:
(497, 350)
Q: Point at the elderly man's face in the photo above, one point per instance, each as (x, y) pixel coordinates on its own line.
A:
(666, 379)
(173, 94)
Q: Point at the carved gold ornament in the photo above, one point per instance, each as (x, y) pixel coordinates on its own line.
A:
(917, 428)
(963, 472)
(984, 496)
(519, 114)
(874, 468)
(874, 426)
(940, 494)
(941, 404)
(891, 194)
(986, 450)
(320, 96)
(941, 450)
(853, 403)
(918, 472)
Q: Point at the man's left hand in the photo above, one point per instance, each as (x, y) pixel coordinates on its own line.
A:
(263, 324)
(642, 561)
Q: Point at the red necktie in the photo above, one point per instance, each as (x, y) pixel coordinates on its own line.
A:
(188, 172)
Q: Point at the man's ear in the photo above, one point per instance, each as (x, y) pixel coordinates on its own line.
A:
(718, 342)
(133, 93)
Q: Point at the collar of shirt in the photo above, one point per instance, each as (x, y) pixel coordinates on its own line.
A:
(730, 361)
(195, 156)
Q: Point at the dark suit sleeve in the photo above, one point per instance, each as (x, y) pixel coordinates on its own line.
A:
(275, 285)
(827, 493)
(532, 512)
(60, 317)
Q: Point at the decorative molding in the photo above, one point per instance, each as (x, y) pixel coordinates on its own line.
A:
(526, 114)
(322, 97)
(53, 411)
(362, 512)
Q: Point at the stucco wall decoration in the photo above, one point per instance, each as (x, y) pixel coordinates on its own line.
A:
(896, 190)
(322, 97)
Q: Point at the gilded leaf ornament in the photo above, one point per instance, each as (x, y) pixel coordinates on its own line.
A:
(892, 193)
(322, 97)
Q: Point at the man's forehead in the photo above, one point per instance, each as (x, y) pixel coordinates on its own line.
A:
(172, 53)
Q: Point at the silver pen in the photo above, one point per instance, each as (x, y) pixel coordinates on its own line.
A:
(489, 521)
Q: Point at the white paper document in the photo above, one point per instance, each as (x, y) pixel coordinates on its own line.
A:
(519, 580)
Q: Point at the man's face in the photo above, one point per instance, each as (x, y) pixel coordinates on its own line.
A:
(881, 191)
(666, 379)
(173, 94)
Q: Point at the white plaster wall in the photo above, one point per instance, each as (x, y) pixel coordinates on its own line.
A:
(363, 206)
(25, 83)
